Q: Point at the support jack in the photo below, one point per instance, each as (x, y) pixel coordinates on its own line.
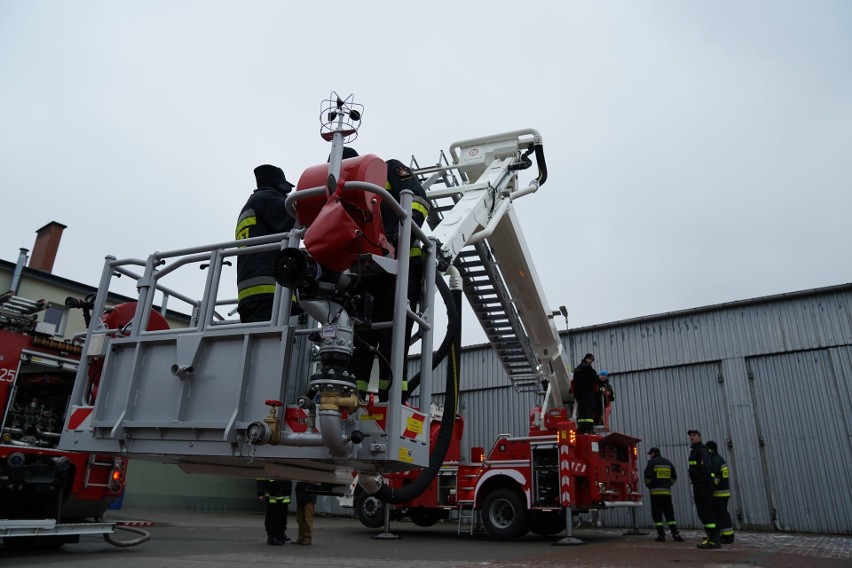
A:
(568, 539)
(386, 534)
(635, 530)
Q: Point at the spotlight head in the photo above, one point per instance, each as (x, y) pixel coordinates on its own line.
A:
(294, 268)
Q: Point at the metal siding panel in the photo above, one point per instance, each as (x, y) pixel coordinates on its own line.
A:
(806, 449)
(748, 502)
(659, 406)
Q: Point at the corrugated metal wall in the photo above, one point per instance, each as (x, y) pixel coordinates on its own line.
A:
(770, 380)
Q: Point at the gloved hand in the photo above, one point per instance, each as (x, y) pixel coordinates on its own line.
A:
(716, 481)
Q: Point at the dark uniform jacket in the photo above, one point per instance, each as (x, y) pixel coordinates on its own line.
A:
(586, 381)
(263, 214)
(660, 475)
(401, 177)
(722, 487)
(700, 470)
(303, 496)
(275, 490)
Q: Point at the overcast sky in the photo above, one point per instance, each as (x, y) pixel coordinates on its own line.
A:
(698, 152)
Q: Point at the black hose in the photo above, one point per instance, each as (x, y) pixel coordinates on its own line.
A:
(448, 421)
(144, 536)
(443, 349)
(542, 166)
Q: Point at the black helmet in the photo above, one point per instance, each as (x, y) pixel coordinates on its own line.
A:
(271, 176)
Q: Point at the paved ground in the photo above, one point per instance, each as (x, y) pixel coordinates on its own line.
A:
(187, 539)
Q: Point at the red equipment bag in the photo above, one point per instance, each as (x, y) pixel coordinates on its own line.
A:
(348, 223)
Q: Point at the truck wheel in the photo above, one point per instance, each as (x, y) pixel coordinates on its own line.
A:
(424, 517)
(547, 523)
(370, 510)
(504, 514)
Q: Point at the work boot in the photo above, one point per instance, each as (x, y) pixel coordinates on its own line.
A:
(711, 541)
(274, 541)
(661, 537)
(726, 539)
(676, 537)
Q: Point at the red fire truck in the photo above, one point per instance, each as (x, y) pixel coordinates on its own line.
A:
(520, 484)
(48, 496)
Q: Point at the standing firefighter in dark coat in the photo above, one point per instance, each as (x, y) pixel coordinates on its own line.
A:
(701, 476)
(382, 288)
(586, 385)
(721, 494)
(263, 214)
(660, 476)
(276, 494)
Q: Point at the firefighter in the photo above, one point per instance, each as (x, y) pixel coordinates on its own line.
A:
(702, 478)
(383, 287)
(605, 396)
(275, 493)
(263, 214)
(660, 475)
(721, 494)
(585, 386)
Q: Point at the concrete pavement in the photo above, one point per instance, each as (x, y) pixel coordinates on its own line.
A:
(223, 539)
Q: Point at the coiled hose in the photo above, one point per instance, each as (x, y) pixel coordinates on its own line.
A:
(448, 420)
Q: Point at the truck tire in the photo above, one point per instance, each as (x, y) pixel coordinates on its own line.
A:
(547, 523)
(370, 510)
(505, 514)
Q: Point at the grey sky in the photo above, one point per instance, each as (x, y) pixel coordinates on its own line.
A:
(698, 152)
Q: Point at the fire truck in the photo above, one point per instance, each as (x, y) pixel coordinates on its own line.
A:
(520, 484)
(48, 496)
(276, 398)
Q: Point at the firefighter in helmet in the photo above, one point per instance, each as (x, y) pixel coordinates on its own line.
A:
(263, 214)
(702, 478)
(660, 476)
(275, 493)
(721, 494)
(372, 342)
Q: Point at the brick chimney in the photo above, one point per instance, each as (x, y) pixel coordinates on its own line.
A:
(46, 245)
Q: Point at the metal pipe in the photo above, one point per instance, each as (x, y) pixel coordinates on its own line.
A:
(19, 269)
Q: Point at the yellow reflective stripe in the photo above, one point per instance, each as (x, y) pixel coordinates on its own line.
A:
(242, 231)
(254, 290)
(415, 251)
(721, 493)
(278, 499)
(419, 207)
(661, 491)
(361, 385)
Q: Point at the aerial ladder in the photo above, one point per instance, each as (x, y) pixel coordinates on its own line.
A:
(273, 399)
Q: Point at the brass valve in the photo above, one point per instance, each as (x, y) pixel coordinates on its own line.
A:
(272, 421)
